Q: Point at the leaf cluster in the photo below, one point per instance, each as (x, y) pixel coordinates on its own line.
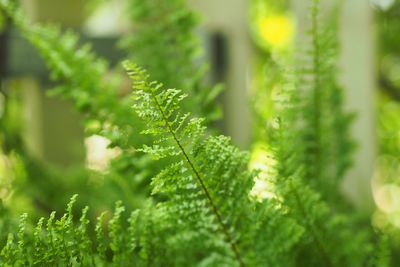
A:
(200, 212)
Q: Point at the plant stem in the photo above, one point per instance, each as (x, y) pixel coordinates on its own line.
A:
(214, 208)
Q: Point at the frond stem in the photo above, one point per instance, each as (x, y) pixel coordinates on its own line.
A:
(214, 208)
(316, 89)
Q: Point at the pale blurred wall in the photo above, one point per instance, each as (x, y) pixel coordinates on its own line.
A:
(357, 62)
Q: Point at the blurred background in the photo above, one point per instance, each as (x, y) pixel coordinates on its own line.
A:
(43, 140)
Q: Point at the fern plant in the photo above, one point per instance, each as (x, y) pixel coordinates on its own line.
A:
(321, 121)
(81, 74)
(64, 242)
(323, 124)
(308, 175)
(207, 203)
(208, 184)
(200, 212)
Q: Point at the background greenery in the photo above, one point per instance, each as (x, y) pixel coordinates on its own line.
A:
(306, 221)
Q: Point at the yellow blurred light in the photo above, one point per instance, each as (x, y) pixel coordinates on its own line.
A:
(394, 219)
(262, 160)
(259, 158)
(276, 30)
(387, 198)
(5, 179)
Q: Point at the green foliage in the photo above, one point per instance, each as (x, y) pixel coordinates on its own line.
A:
(307, 176)
(319, 218)
(199, 212)
(174, 56)
(207, 186)
(102, 100)
(207, 204)
(325, 126)
(323, 144)
(64, 242)
(381, 256)
(83, 82)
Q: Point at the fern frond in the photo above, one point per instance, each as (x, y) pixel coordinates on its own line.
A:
(101, 236)
(306, 206)
(325, 125)
(308, 137)
(208, 183)
(160, 109)
(67, 242)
